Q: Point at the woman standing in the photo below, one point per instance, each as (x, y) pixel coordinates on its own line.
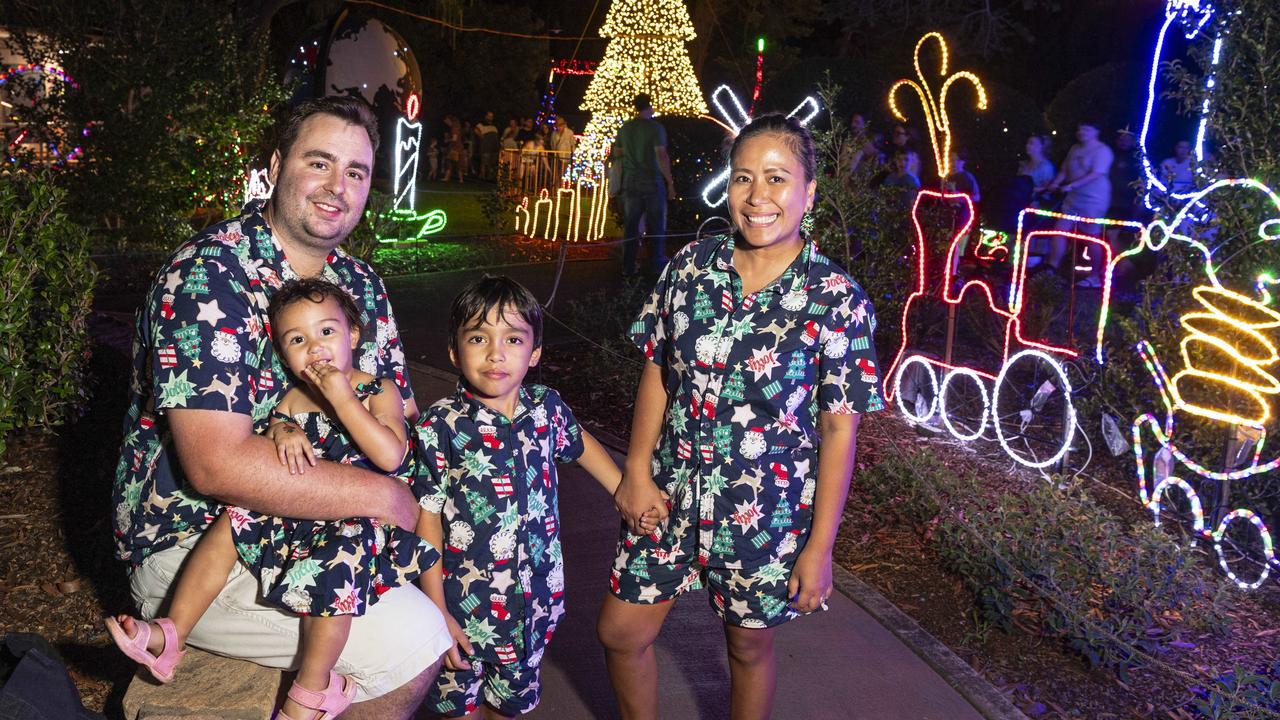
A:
(760, 361)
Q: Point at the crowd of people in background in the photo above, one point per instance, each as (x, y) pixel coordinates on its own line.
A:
(481, 151)
(1096, 179)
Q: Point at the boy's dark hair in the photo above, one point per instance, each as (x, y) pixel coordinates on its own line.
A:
(474, 303)
(793, 135)
(352, 109)
(642, 102)
(312, 290)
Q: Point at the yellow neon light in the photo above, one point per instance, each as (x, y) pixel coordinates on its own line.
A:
(543, 220)
(937, 121)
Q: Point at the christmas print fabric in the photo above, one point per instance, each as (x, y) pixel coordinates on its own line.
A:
(493, 480)
(738, 453)
(202, 341)
(312, 567)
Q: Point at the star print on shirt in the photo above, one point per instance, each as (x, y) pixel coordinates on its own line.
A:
(762, 362)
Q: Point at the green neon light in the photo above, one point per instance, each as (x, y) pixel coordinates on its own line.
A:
(760, 44)
(433, 221)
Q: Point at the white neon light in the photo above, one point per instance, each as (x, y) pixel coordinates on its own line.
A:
(257, 186)
(897, 389)
(986, 403)
(716, 190)
(408, 140)
(1064, 384)
(1197, 509)
(1267, 549)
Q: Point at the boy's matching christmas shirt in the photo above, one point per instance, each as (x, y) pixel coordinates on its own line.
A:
(747, 377)
(493, 480)
(202, 341)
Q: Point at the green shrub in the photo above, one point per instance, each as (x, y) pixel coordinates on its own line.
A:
(46, 284)
(1052, 556)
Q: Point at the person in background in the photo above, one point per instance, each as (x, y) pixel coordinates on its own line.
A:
(488, 142)
(1036, 165)
(1085, 178)
(641, 147)
(1178, 172)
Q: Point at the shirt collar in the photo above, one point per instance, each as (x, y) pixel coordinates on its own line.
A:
(481, 413)
(791, 279)
(253, 223)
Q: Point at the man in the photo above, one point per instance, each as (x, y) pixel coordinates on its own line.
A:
(641, 147)
(1085, 178)
(205, 379)
(488, 141)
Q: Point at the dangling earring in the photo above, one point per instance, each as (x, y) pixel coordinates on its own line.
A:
(806, 223)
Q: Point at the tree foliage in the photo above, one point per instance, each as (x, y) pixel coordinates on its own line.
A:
(176, 98)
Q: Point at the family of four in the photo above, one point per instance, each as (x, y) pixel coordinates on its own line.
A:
(279, 494)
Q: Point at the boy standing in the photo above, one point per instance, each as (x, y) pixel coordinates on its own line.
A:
(487, 463)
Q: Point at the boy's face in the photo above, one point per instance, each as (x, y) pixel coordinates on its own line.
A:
(315, 332)
(494, 354)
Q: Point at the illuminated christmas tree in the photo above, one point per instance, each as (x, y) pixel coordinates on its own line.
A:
(646, 54)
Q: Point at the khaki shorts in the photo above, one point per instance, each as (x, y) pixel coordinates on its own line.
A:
(399, 637)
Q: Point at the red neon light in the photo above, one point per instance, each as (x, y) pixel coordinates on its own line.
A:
(755, 94)
(1012, 315)
(412, 106)
(574, 67)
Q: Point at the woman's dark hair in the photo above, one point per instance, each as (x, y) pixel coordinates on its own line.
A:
(312, 290)
(477, 300)
(796, 137)
(352, 109)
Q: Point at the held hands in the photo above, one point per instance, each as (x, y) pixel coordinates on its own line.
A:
(329, 380)
(810, 584)
(292, 447)
(456, 657)
(640, 503)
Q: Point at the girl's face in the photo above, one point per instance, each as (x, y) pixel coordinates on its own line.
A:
(1034, 146)
(309, 332)
(768, 193)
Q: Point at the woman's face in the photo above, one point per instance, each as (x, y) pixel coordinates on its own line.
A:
(1034, 146)
(900, 136)
(768, 193)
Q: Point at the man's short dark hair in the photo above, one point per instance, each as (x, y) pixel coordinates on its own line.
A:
(312, 290)
(477, 300)
(354, 110)
(643, 102)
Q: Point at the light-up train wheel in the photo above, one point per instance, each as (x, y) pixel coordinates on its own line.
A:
(965, 404)
(1246, 555)
(1032, 411)
(916, 388)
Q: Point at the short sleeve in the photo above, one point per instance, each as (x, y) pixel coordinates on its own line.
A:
(660, 137)
(649, 332)
(200, 326)
(565, 431)
(381, 351)
(430, 478)
(847, 366)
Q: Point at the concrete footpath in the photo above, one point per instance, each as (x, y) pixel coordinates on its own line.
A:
(845, 663)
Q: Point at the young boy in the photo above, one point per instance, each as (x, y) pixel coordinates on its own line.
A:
(487, 460)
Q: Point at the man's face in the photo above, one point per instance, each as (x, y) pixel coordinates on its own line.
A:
(528, 123)
(1182, 150)
(1124, 141)
(321, 187)
(488, 117)
(1086, 133)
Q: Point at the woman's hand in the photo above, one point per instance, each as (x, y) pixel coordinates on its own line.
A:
(292, 447)
(810, 584)
(640, 503)
(456, 657)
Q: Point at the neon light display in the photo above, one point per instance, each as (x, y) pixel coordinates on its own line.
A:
(1193, 16)
(1228, 349)
(257, 186)
(735, 117)
(61, 76)
(755, 92)
(408, 143)
(543, 220)
(432, 222)
(937, 122)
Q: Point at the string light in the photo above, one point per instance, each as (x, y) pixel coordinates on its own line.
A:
(646, 54)
(432, 222)
(1193, 500)
(986, 404)
(1063, 384)
(937, 122)
(910, 412)
(257, 186)
(61, 76)
(1248, 358)
(735, 118)
(1193, 16)
(570, 196)
(755, 92)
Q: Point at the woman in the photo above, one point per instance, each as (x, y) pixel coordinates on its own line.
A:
(1036, 166)
(758, 346)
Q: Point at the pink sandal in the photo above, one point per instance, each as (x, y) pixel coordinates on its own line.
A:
(335, 698)
(162, 665)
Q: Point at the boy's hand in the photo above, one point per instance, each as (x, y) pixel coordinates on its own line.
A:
(637, 497)
(810, 583)
(330, 381)
(453, 659)
(292, 447)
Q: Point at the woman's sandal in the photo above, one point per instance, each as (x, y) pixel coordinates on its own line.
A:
(335, 698)
(162, 665)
